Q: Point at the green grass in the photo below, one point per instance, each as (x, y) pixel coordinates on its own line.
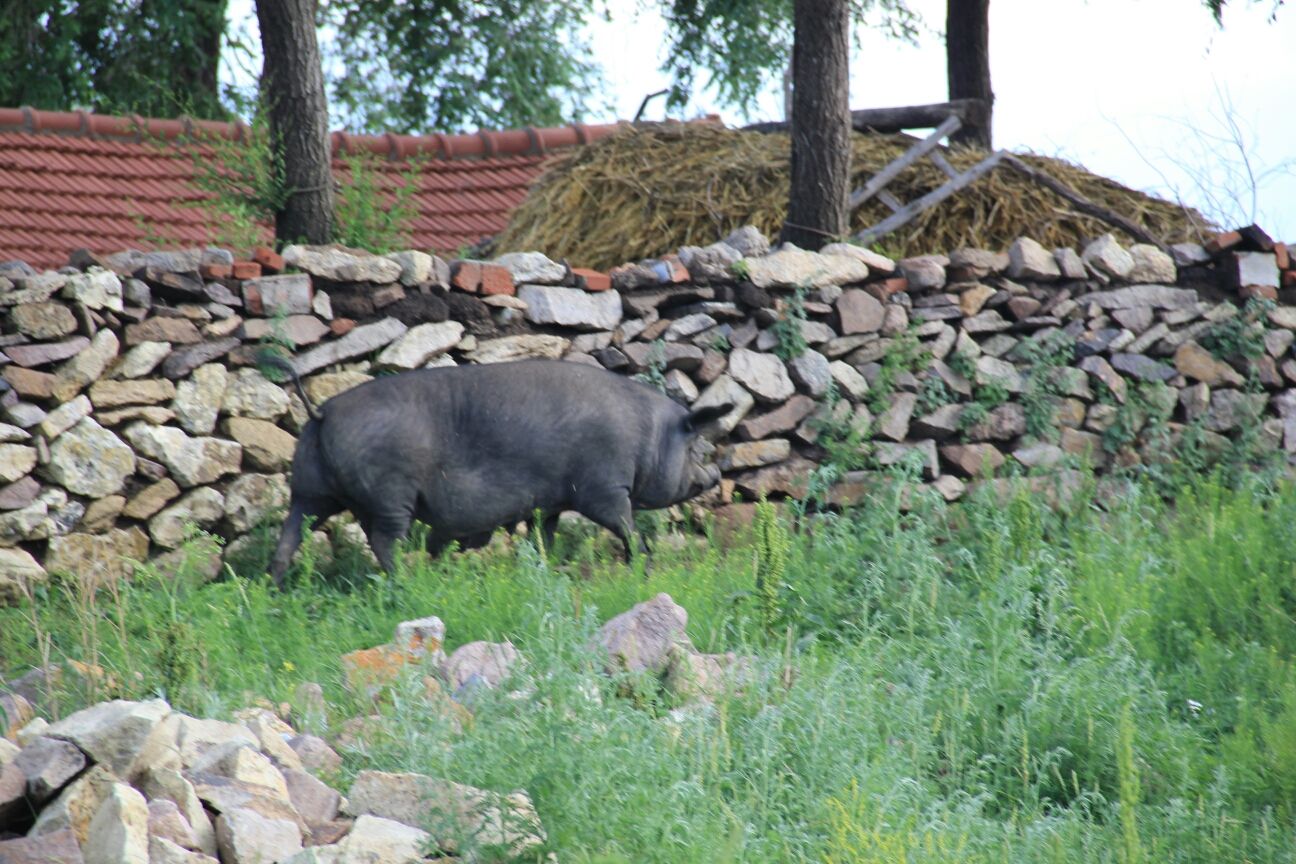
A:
(991, 681)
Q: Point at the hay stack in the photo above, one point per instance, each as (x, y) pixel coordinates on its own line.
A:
(648, 190)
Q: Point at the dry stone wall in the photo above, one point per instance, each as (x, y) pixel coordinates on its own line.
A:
(131, 406)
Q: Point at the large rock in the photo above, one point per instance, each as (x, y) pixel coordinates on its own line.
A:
(339, 266)
(571, 307)
(1154, 296)
(64, 417)
(266, 447)
(784, 418)
(119, 830)
(300, 330)
(321, 388)
(1107, 257)
(456, 813)
(488, 663)
(43, 320)
(1151, 265)
(532, 267)
(89, 460)
(726, 391)
(44, 353)
(791, 267)
(198, 400)
(114, 394)
(524, 347)
(16, 461)
(894, 422)
(48, 765)
(167, 784)
(142, 359)
(712, 263)
(85, 367)
(244, 836)
(106, 557)
(415, 266)
(1029, 260)
(763, 375)
(364, 339)
(202, 507)
(19, 571)
(95, 289)
(115, 734)
(59, 847)
(191, 461)
(76, 805)
(972, 460)
(249, 394)
(250, 497)
(1195, 362)
(420, 344)
(859, 312)
(641, 639)
(1233, 409)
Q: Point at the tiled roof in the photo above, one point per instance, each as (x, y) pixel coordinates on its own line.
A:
(75, 179)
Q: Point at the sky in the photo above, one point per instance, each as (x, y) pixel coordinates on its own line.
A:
(1148, 92)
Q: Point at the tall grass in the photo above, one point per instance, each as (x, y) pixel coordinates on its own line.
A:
(993, 681)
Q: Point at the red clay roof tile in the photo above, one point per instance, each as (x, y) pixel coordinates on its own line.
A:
(71, 179)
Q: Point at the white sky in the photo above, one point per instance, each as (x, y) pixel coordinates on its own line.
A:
(1148, 92)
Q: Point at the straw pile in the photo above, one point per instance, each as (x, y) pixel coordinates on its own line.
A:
(648, 190)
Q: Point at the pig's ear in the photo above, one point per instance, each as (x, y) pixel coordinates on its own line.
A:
(702, 417)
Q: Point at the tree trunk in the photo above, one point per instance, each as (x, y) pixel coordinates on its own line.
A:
(821, 124)
(967, 60)
(292, 83)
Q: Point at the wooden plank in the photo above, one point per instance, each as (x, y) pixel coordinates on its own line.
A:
(890, 200)
(938, 159)
(932, 198)
(896, 119)
(875, 183)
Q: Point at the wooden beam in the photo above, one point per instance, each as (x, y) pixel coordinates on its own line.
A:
(932, 198)
(875, 183)
(899, 118)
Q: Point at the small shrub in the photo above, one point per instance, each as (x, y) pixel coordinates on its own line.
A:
(790, 341)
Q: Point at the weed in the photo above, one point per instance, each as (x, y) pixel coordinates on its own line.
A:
(373, 214)
(933, 394)
(654, 374)
(790, 341)
(1240, 337)
(770, 556)
(906, 354)
(741, 269)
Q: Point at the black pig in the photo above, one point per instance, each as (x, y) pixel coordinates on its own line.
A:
(468, 449)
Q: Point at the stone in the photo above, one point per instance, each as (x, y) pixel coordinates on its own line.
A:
(924, 272)
(251, 497)
(1142, 367)
(141, 359)
(300, 330)
(202, 507)
(248, 394)
(894, 422)
(748, 240)
(420, 344)
(315, 754)
(1255, 269)
(118, 833)
(849, 381)
(338, 265)
(1003, 423)
(360, 341)
(790, 267)
(95, 289)
(182, 361)
(992, 370)
(1029, 260)
(810, 373)
(571, 307)
(43, 320)
(667, 355)
(102, 513)
(1135, 319)
(972, 300)
(114, 734)
(172, 331)
(198, 400)
(16, 462)
(1232, 409)
(988, 321)
(1151, 265)
(1277, 342)
(322, 388)
(164, 851)
(191, 461)
(972, 460)
(784, 418)
(76, 805)
(923, 453)
(753, 454)
(59, 847)
(29, 383)
(19, 493)
(48, 764)
(712, 263)
(859, 312)
(86, 366)
(1106, 256)
(689, 325)
(415, 267)
(488, 663)
(940, 424)
(640, 640)
(763, 375)
(106, 393)
(266, 447)
(678, 385)
(1102, 371)
(165, 821)
(19, 571)
(1039, 454)
(89, 460)
(532, 268)
(726, 391)
(523, 347)
(244, 836)
(64, 417)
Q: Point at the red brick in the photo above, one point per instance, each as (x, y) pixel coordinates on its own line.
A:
(215, 271)
(270, 260)
(496, 279)
(1282, 255)
(1264, 292)
(678, 272)
(1223, 242)
(341, 326)
(466, 276)
(247, 270)
(593, 280)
